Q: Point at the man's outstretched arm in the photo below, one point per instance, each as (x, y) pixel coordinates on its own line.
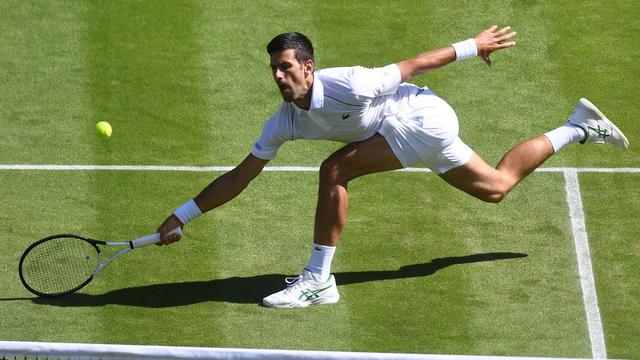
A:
(486, 42)
(221, 190)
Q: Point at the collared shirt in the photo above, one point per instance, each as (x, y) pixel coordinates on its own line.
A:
(347, 105)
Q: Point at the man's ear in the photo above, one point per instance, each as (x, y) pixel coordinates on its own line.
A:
(309, 66)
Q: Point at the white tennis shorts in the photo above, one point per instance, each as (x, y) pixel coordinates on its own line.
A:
(422, 128)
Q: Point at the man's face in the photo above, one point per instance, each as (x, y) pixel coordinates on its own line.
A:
(293, 78)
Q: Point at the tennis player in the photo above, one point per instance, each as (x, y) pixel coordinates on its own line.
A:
(387, 124)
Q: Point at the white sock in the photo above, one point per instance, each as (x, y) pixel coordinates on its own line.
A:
(565, 135)
(320, 262)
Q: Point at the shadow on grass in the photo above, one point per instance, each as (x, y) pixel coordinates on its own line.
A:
(251, 289)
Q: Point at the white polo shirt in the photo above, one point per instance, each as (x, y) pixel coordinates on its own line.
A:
(347, 105)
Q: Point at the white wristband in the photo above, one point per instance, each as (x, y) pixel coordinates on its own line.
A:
(465, 49)
(188, 211)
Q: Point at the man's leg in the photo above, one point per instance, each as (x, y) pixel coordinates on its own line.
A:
(479, 179)
(352, 161)
(587, 124)
(316, 285)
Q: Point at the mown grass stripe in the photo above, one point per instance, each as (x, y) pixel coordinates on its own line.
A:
(144, 78)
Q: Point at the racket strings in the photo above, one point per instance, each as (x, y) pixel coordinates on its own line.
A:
(59, 265)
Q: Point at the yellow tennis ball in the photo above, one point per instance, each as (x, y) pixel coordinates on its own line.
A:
(103, 129)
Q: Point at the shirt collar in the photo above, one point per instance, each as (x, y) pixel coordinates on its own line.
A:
(317, 94)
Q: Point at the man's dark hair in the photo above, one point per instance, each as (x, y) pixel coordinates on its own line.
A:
(292, 40)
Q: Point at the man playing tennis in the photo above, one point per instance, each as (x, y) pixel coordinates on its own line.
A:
(387, 124)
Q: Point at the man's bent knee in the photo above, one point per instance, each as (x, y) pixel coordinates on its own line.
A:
(480, 180)
(494, 197)
(492, 191)
(332, 171)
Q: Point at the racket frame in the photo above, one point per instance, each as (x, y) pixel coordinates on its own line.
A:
(127, 246)
(92, 242)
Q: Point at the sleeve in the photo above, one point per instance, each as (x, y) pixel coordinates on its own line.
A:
(377, 81)
(276, 131)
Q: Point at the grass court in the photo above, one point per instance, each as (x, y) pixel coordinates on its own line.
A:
(421, 267)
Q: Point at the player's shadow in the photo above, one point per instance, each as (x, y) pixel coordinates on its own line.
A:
(251, 289)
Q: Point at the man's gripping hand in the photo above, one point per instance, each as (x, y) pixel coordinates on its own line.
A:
(491, 40)
(169, 224)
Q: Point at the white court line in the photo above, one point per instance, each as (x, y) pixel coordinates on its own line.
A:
(587, 282)
(268, 168)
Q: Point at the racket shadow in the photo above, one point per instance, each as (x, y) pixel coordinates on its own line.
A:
(251, 289)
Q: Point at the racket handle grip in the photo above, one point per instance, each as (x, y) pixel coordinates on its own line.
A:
(151, 239)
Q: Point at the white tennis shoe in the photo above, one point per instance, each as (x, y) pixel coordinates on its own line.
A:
(599, 129)
(304, 290)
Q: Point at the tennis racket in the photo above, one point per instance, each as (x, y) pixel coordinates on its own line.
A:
(61, 264)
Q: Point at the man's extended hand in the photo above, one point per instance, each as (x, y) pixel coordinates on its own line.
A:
(169, 224)
(491, 40)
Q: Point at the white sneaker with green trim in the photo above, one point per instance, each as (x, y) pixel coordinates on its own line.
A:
(304, 290)
(599, 129)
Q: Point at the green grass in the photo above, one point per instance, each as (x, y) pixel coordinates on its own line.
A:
(421, 267)
(217, 291)
(613, 229)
